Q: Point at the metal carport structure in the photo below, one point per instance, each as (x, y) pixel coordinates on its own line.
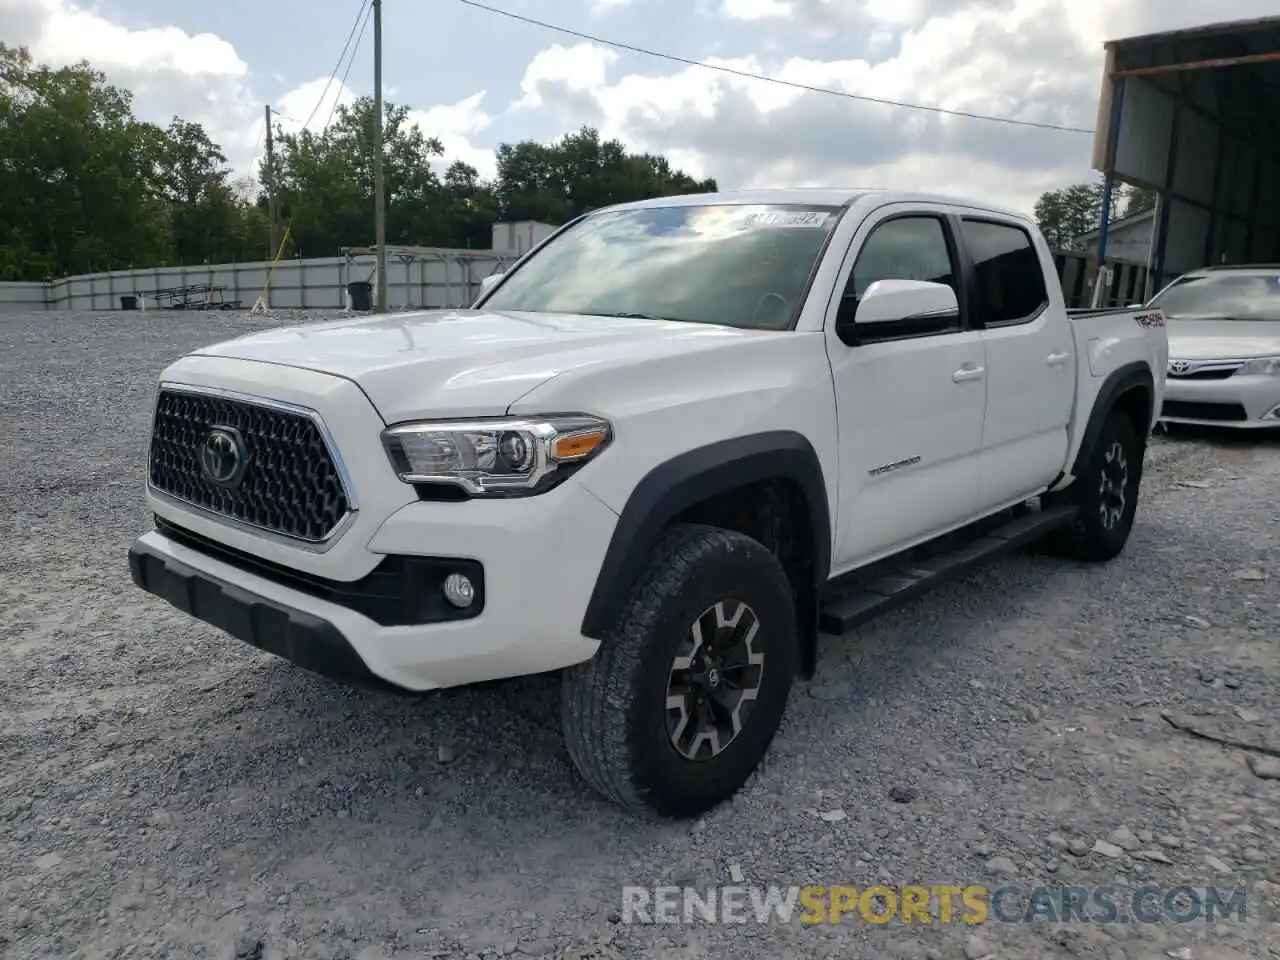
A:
(1195, 116)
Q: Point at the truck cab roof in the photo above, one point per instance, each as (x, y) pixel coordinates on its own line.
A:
(827, 196)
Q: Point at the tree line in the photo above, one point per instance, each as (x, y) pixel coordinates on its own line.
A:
(1065, 215)
(86, 186)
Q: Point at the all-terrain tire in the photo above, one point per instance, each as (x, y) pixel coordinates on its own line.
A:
(615, 707)
(1106, 492)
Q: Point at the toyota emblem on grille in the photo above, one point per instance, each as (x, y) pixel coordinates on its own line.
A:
(1179, 366)
(223, 458)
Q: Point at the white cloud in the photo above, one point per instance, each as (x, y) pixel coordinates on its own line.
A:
(750, 10)
(202, 78)
(72, 33)
(454, 125)
(1032, 60)
(752, 132)
(312, 105)
(169, 71)
(577, 70)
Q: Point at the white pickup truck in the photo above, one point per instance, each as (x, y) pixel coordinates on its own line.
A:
(666, 450)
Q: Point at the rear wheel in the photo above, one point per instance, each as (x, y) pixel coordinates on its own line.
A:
(683, 699)
(1106, 492)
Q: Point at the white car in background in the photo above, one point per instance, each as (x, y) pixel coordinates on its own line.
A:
(1224, 347)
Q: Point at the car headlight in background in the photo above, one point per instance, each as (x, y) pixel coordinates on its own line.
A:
(1266, 366)
(495, 458)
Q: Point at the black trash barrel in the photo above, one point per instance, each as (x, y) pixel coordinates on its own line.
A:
(128, 303)
(361, 294)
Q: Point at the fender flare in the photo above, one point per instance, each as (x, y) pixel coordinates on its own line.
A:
(1120, 381)
(679, 483)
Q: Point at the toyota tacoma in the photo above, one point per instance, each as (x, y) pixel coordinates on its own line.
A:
(667, 450)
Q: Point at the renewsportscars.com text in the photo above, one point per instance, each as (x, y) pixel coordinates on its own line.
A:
(972, 905)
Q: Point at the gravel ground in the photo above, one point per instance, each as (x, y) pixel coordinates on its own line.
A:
(166, 791)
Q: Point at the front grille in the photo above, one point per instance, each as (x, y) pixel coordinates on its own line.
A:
(1218, 374)
(1212, 373)
(291, 485)
(1188, 410)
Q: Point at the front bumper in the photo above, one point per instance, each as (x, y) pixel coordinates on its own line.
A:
(1249, 402)
(308, 640)
(539, 558)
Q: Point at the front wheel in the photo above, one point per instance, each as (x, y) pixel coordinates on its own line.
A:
(682, 700)
(1106, 492)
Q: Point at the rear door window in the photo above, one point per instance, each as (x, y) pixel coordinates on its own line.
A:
(1009, 285)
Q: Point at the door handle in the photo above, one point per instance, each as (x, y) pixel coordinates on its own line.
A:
(1057, 359)
(968, 373)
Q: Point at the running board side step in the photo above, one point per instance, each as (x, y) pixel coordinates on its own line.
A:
(842, 611)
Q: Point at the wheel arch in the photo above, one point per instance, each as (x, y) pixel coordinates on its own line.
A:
(696, 478)
(1130, 387)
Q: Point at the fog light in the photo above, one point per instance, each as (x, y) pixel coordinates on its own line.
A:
(459, 590)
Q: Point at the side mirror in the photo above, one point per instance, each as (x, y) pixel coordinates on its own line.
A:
(918, 302)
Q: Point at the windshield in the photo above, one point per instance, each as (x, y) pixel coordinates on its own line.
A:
(732, 264)
(1227, 296)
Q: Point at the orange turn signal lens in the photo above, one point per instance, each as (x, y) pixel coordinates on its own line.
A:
(575, 446)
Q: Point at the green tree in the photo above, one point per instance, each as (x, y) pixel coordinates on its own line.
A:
(1064, 215)
(325, 183)
(469, 207)
(1138, 200)
(209, 221)
(79, 184)
(553, 183)
(85, 186)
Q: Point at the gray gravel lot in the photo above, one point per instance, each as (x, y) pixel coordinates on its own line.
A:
(166, 791)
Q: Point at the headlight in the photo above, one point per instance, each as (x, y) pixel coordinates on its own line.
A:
(1267, 366)
(498, 457)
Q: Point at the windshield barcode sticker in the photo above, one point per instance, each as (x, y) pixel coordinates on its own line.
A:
(774, 218)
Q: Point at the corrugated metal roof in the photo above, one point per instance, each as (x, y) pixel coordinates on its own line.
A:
(1208, 30)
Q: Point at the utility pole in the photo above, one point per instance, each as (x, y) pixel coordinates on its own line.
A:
(269, 182)
(379, 184)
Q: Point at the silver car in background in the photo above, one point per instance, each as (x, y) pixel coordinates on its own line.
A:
(1224, 347)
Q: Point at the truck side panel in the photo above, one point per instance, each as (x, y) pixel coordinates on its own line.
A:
(1111, 343)
(664, 408)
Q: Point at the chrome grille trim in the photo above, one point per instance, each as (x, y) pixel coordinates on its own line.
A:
(1203, 369)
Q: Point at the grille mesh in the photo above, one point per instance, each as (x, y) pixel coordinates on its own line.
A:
(1213, 373)
(291, 485)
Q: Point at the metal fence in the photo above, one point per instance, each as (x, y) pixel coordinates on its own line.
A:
(415, 279)
(423, 279)
(1125, 283)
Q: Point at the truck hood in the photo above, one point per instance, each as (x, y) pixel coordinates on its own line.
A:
(466, 363)
(1216, 339)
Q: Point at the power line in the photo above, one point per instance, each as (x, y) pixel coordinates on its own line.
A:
(360, 14)
(631, 48)
(333, 108)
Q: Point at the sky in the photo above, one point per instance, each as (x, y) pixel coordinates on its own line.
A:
(476, 80)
